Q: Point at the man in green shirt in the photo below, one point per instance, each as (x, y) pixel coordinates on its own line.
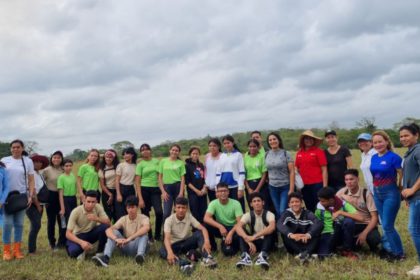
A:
(339, 219)
(221, 217)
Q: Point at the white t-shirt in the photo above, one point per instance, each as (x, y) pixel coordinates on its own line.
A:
(18, 181)
(365, 167)
(39, 182)
(211, 171)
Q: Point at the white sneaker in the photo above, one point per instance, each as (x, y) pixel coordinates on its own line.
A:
(262, 261)
(81, 257)
(414, 272)
(245, 261)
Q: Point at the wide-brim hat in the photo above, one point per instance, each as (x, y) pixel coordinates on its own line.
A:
(309, 133)
(42, 159)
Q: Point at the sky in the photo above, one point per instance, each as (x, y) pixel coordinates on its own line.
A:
(89, 73)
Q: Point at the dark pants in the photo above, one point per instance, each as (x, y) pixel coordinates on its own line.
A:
(126, 191)
(211, 194)
(373, 238)
(173, 191)
(109, 209)
(70, 202)
(152, 198)
(310, 195)
(227, 250)
(325, 245)
(263, 245)
(344, 232)
(293, 247)
(196, 241)
(53, 210)
(198, 205)
(233, 193)
(96, 234)
(35, 218)
(264, 191)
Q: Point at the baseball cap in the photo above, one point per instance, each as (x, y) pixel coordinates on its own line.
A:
(364, 136)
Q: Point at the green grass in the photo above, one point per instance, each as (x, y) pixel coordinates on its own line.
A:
(49, 265)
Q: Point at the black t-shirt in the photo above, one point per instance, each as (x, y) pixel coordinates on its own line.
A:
(336, 165)
(194, 174)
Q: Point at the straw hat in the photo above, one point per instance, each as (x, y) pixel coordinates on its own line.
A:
(42, 159)
(309, 133)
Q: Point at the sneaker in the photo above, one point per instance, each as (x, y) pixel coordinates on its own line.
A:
(303, 258)
(245, 261)
(139, 259)
(101, 260)
(395, 258)
(81, 257)
(209, 262)
(262, 261)
(415, 272)
(350, 255)
(193, 255)
(187, 269)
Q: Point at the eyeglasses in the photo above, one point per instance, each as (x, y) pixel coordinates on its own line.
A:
(224, 190)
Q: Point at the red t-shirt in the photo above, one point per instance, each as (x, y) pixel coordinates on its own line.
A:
(309, 163)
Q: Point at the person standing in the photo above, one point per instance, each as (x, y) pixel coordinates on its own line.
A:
(67, 190)
(107, 176)
(211, 166)
(364, 141)
(87, 176)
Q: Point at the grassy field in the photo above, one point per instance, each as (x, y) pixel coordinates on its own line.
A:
(49, 265)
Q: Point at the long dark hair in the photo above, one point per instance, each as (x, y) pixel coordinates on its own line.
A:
(178, 147)
(115, 161)
(20, 142)
(231, 139)
(216, 141)
(131, 151)
(278, 139)
(60, 154)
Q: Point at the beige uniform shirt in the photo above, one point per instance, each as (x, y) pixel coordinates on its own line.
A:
(130, 227)
(180, 229)
(357, 200)
(50, 175)
(127, 172)
(259, 224)
(109, 177)
(78, 221)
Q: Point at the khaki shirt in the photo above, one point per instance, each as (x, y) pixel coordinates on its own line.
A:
(78, 221)
(50, 175)
(358, 202)
(259, 224)
(127, 172)
(109, 177)
(130, 227)
(180, 230)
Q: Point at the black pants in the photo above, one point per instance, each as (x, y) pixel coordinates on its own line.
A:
(96, 234)
(196, 241)
(35, 218)
(293, 247)
(198, 205)
(152, 198)
(373, 238)
(70, 202)
(253, 184)
(126, 191)
(233, 193)
(109, 209)
(211, 194)
(263, 245)
(227, 250)
(53, 210)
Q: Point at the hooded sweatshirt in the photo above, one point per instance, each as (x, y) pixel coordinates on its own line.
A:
(289, 223)
(411, 170)
(194, 174)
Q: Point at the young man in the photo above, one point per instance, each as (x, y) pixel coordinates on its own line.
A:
(87, 224)
(367, 230)
(262, 224)
(180, 240)
(129, 233)
(339, 219)
(300, 229)
(221, 217)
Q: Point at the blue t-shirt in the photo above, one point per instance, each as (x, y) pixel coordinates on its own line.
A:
(384, 169)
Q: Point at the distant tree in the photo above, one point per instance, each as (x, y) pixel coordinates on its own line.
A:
(367, 124)
(77, 155)
(31, 146)
(334, 125)
(406, 120)
(121, 145)
(4, 149)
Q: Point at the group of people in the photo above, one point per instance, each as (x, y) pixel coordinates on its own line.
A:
(197, 202)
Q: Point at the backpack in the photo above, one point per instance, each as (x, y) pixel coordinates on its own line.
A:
(253, 218)
(364, 194)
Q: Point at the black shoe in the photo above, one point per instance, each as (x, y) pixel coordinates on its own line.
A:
(193, 255)
(101, 260)
(139, 259)
(395, 258)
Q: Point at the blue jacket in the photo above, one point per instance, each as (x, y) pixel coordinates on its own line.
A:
(4, 185)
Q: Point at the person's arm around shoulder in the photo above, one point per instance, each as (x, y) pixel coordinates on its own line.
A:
(348, 211)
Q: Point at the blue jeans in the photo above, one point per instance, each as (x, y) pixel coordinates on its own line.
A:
(13, 221)
(133, 248)
(414, 224)
(279, 196)
(173, 192)
(387, 200)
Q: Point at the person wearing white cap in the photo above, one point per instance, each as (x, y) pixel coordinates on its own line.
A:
(364, 141)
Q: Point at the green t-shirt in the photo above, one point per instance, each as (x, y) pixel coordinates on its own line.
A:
(326, 216)
(172, 170)
(254, 166)
(148, 172)
(90, 178)
(67, 183)
(225, 214)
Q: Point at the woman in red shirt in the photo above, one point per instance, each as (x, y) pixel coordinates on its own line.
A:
(312, 166)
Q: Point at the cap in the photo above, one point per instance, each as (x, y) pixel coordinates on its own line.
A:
(364, 136)
(330, 132)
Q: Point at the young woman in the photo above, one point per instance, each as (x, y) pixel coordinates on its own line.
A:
(409, 137)
(20, 172)
(281, 173)
(232, 170)
(256, 173)
(107, 176)
(194, 180)
(386, 171)
(338, 160)
(124, 182)
(34, 212)
(147, 172)
(171, 179)
(67, 189)
(211, 167)
(364, 141)
(87, 176)
(50, 175)
(311, 164)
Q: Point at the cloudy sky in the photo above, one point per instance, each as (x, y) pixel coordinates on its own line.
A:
(89, 73)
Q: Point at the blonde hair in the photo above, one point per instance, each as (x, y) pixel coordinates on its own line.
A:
(386, 137)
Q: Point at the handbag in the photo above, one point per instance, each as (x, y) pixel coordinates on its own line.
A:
(298, 181)
(15, 200)
(43, 194)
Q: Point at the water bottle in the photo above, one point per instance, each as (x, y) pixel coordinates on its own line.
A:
(63, 222)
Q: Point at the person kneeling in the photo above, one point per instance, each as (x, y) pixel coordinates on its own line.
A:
(179, 239)
(262, 224)
(134, 237)
(300, 229)
(83, 229)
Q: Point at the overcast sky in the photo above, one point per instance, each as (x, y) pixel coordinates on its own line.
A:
(89, 73)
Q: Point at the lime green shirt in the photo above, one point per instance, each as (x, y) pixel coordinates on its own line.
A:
(171, 170)
(225, 214)
(326, 216)
(254, 166)
(67, 183)
(148, 171)
(90, 178)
